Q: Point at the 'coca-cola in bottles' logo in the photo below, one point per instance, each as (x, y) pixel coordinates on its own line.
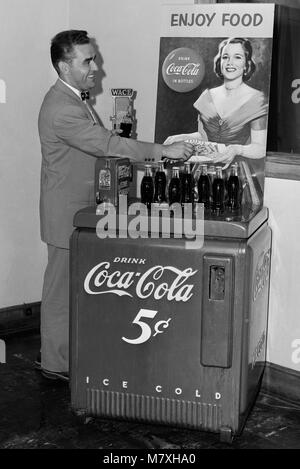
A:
(183, 69)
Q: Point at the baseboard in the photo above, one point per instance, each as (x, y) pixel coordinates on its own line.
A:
(19, 318)
(282, 382)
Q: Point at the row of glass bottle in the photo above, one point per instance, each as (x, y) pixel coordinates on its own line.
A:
(214, 189)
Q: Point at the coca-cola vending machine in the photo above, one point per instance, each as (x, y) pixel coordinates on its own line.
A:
(164, 330)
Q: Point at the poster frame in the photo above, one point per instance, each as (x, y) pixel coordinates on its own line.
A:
(279, 165)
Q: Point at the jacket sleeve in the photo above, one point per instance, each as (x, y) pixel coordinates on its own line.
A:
(74, 128)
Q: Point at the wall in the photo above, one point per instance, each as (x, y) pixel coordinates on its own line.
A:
(281, 197)
(26, 28)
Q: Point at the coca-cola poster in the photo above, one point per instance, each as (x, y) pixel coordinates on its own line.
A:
(214, 82)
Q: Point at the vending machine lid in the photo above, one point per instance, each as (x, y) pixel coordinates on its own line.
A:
(219, 227)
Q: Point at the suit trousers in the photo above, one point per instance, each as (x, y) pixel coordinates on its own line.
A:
(55, 311)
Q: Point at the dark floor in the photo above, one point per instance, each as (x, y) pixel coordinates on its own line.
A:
(35, 413)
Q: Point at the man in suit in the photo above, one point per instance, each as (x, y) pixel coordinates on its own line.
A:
(71, 138)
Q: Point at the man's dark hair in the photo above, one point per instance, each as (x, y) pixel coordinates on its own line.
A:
(63, 43)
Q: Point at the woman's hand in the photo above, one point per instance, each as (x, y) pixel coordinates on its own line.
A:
(228, 155)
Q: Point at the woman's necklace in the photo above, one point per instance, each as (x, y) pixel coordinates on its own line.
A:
(232, 86)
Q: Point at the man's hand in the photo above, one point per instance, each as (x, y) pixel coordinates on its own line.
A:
(178, 150)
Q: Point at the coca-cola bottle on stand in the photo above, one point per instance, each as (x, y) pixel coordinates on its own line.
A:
(204, 187)
(147, 187)
(160, 183)
(187, 189)
(174, 186)
(126, 126)
(218, 190)
(211, 171)
(233, 188)
(104, 185)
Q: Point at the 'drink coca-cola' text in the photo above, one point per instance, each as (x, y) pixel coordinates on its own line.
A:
(102, 279)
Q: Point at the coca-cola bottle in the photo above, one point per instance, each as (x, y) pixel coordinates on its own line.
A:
(204, 187)
(211, 173)
(233, 188)
(175, 186)
(126, 126)
(218, 191)
(187, 189)
(147, 187)
(160, 183)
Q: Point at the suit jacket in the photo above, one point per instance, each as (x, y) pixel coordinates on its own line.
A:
(70, 142)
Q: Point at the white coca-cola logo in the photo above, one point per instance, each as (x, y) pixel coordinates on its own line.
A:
(188, 69)
(101, 280)
(183, 69)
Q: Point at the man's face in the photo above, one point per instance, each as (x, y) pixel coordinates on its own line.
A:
(81, 70)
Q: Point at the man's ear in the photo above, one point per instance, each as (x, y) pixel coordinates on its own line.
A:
(63, 67)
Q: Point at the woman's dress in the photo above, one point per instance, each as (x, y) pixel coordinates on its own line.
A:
(235, 127)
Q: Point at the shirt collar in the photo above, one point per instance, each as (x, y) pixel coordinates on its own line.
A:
(75, 90)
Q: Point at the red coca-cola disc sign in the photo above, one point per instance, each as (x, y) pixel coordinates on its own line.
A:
(183, 69)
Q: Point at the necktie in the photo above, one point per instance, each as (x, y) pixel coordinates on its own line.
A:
(85, 95)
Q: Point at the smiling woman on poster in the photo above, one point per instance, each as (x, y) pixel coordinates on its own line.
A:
(234, 113)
